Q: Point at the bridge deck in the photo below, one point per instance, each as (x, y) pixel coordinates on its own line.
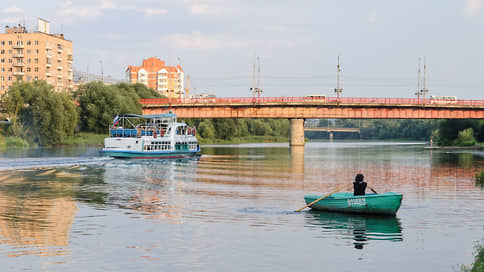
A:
(330, 107)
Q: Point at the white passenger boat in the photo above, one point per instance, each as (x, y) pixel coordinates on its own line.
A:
(150, 136)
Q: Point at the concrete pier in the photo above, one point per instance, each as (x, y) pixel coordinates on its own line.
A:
(296, 137)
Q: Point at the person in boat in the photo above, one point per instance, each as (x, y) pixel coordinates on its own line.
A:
(359, 186)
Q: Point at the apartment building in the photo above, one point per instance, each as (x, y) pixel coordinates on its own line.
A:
(35, 55)
(167, 80)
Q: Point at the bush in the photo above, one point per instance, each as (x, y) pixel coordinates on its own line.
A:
(465, 138)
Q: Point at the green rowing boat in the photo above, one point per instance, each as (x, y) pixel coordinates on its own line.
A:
(387, 203)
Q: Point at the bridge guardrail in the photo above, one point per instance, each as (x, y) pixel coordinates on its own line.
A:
(310, 100)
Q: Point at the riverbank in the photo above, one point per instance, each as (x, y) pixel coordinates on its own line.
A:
(473, 147)
(80, 139)
(245, 139)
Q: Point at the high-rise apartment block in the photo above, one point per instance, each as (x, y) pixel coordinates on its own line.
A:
(167, 80)
(35, 55)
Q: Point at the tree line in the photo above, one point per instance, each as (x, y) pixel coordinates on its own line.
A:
(40, 115)
(45, 117)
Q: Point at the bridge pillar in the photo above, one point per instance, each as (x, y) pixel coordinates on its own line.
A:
(296, 137)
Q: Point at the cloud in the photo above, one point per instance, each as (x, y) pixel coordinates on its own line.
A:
(199, 42)
(372, 18)
(472, 7)
(208, 9)
(13, 9)
(12, 20)
(72, 13)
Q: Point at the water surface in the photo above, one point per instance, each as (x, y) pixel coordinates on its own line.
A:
(232, 209)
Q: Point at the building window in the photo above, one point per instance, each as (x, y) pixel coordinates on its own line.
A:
(36, 69)
(10, 60)
(36, 51)
(3, 78)
(29, 70)
(36, 78)
(3, 51)
(28, 61)
(36, 42)
(10, 52)
(9, 42)
(36, 60)
(28, 51)
(28, 42)
(3, 61)
(3, 69)
(10, 69)
(3, 42)
(9, 78)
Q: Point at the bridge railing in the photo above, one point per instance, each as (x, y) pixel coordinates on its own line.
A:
(309, 100)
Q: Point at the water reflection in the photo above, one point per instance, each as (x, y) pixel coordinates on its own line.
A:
(36, 212)
(360, 228)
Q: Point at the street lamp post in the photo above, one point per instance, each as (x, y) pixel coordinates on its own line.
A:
(102, 71)
(338, 90)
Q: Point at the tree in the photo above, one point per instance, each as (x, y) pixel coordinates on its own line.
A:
(99, 103)
(40, 114)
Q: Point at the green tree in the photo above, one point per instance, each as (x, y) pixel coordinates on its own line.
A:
(98, 103)
(40, 114)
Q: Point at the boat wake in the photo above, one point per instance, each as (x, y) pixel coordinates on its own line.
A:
(26, 163)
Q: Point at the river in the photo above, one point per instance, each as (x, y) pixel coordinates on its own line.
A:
(232, 209)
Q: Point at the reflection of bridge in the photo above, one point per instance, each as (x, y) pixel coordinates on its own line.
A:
(299, 108)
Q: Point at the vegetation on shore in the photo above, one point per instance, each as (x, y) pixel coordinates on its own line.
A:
(42, 116)
(455, 132)
(478, 265)
(376, 129)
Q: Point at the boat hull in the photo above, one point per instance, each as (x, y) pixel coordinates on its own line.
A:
(384, 204)
(148, 155)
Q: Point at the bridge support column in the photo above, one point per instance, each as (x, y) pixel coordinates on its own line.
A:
(296, 137)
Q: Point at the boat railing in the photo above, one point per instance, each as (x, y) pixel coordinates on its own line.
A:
(133, 133)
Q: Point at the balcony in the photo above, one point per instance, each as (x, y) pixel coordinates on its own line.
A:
(48, 74)
(18, 56)
(59, 59)
(49, 56)
(48, 65)
(59, 76)
(18, 64)
(59, 50)
(18, 73)
(69, 61)
(18, 46)
(59, 67)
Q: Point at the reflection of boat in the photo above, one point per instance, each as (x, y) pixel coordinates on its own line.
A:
(360, 228)
(387, 203)
(150, 136)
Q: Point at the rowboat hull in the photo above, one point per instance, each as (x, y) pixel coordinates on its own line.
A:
(384, 204)
(148, 155)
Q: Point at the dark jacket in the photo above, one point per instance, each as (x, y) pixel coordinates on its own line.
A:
(359, 188)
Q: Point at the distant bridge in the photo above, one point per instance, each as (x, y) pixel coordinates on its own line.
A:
(299, 108)
(332, 129)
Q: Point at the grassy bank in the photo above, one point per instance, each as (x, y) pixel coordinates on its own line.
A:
(478, 265)
(85, 139)
(12, 142)
(246, 139)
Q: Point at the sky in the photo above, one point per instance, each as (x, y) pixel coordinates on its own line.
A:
(297, 43)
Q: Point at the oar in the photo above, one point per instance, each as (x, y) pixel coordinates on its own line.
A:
(371, 188)
(326, 195)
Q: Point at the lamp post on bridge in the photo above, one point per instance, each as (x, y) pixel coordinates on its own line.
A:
(338, 90)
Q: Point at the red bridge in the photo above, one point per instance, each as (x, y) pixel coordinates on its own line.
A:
(299, 108)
